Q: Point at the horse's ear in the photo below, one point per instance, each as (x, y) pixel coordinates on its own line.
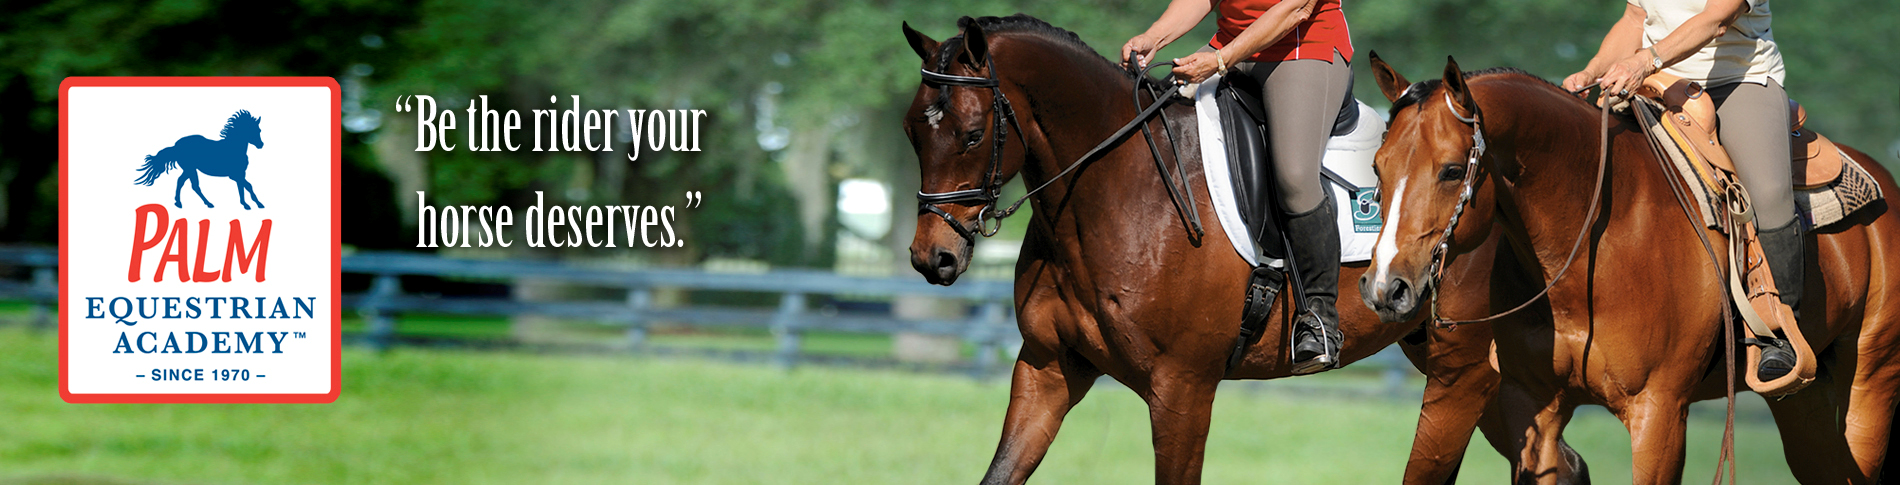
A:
(923, 44)
(1391, 82)
(976, 49)
(1456, 88)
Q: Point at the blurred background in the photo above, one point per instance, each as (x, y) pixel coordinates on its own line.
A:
(789, 341)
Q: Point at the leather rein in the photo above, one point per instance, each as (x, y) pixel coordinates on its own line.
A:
(1443, 249)
(990, 190)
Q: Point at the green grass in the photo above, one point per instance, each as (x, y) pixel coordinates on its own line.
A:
(448, 416)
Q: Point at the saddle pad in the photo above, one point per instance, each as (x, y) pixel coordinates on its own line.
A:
(1818, 206)
(1349, 156)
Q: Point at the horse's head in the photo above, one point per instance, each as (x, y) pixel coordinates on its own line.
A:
(1425, 168)
(954, 125)
(243, 127)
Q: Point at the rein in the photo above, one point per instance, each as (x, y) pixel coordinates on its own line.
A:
(991, 189)
(1440, 252)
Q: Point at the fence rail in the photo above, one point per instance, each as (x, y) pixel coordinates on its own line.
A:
(991, 327)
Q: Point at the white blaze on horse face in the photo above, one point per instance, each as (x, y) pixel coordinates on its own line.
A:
(933, 115)
(1387, 248)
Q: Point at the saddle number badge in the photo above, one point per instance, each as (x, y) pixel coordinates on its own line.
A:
(1365, 211)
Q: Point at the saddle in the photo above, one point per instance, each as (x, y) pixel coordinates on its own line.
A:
(1243, 120)
(1681, 121)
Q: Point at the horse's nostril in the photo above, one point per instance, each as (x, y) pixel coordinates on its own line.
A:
(1399, 292)
(946, 261)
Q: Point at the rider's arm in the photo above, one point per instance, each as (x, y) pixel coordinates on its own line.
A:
(1699, 30)
(1625, 38)
(1268, 29)
(1685, 40)
(1180, 17)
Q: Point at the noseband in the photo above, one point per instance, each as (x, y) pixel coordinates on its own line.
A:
(991, 189)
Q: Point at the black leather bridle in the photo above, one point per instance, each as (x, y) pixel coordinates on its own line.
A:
(991, 189)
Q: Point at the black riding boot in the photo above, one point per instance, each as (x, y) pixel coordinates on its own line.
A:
(1315, 238)
(1783, 248)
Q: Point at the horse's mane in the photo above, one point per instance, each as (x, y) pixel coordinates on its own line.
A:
(1014, 24)
(1420, 89)
(239, 120)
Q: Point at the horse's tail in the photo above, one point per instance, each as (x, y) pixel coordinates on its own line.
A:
(154, 167)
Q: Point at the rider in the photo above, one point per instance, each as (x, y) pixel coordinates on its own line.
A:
(1299, 50)
(1727, 47)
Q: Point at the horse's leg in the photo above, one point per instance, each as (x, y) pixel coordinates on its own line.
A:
(1460, 388)
(1658, 425)
(183, 175)
(1811, 439)
(238, 180)
(1180, 404)
(201, 192)
(1533, 421)
(1869, 422)
(1048, 382)
(244, 185)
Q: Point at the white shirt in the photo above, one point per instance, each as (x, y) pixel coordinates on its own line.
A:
(1746, 52)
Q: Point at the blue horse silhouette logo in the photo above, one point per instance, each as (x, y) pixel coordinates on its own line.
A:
(225, 157)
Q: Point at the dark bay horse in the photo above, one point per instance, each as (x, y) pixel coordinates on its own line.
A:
(225, 157)
(1108, 281)
(1637, 323)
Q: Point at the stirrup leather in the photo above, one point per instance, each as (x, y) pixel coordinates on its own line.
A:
(1263, 289)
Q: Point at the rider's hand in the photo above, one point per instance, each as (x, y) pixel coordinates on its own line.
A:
(1576, 82)
(1140, 50)
(1626, 75)
(1196, 68)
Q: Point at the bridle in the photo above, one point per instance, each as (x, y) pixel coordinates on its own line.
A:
(990, 190)
(1442, 250)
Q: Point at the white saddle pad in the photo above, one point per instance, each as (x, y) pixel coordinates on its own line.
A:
(1350, 156)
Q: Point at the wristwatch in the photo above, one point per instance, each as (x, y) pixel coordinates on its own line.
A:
(1655, 59)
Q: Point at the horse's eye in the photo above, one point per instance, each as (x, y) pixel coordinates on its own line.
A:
(970, 140)
(1452, 173)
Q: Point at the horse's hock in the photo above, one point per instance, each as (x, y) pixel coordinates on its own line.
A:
(921, 347)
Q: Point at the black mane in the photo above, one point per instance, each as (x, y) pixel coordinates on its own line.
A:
(1420, 89)
(1019, 23)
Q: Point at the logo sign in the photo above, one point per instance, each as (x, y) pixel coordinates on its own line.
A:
(199, 248)
(1365, 211)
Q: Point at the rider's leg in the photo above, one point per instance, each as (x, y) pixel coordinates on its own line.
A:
(1754, 127)
(1302, 98)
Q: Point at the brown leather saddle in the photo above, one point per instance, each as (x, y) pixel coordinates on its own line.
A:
(1685, 120)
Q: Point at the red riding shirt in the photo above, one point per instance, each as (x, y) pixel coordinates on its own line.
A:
(1314, 38)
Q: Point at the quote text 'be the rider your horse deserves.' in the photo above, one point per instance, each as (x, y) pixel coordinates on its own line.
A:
(550, 130)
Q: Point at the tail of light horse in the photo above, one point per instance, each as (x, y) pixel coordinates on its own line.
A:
(1109, 281)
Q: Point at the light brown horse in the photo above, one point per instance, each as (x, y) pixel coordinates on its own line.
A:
(1638, 321)
(1109, 280)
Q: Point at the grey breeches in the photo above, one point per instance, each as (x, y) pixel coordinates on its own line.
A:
(1301, 98)
(1754, 128)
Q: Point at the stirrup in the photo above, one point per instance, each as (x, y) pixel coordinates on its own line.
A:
(1263, 289)
(1326, 360)
(1772, 347)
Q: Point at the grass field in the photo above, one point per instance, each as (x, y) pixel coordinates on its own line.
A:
(458, 416)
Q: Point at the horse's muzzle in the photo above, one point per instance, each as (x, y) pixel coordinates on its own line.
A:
(1395, 300)
(940, 265)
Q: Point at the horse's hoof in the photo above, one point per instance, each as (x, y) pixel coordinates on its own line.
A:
(260, 206)
(180, 205)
